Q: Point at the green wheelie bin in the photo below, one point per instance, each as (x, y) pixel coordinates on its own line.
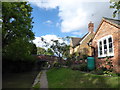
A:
(90, 63)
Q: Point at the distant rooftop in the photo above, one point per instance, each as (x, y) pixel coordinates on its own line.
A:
(75, 41)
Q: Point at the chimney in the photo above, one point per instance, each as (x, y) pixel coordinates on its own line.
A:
(91, 27)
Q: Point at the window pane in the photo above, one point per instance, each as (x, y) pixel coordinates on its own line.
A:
(105, 47)
(110, 45)
(104, 41)
(110, 50)
(110, 39)
(100, 47)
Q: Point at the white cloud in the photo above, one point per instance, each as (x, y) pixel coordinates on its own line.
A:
(47, 38)
(46, 3)
(38, 42)
(48, 22)
(76, 14)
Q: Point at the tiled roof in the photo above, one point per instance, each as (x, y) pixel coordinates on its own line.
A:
(75, 41)
(114, 21)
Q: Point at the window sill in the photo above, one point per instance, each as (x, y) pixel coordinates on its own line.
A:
(105, 57)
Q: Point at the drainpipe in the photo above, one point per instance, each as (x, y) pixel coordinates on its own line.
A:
(90, 45)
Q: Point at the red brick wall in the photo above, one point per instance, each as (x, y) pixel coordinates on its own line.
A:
(104, 30)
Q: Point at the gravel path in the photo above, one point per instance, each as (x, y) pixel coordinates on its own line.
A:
(43, 80)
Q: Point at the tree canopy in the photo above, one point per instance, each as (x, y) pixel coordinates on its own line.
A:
(60, 49)
(41, 51)
(17, 32)
(116, 5)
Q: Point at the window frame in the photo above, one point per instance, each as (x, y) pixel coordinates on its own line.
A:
(107, 43)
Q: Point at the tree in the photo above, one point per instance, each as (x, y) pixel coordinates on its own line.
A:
(17, 32)
(116, 6)
(34, 49)
(49, 52)
(40, 51)
(17, 36)
(61, 49)
(18, 50)
(17, 22)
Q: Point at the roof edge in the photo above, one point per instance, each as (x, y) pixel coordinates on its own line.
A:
(104, 19)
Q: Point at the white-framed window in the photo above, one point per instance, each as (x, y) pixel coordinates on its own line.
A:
(105, 46)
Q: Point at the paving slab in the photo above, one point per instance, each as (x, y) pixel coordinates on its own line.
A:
(43, 80)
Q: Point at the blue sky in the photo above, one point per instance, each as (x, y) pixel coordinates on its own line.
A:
(47, 22)
(60, 18)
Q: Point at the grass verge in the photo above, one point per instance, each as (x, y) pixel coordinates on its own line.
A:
(36, 83)
(67, 78)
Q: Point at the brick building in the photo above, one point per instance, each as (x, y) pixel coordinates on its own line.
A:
(106, 43)
(80, 45)
(74, 42)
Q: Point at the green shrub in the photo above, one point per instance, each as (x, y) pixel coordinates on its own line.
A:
(118, 74)
(68, 63)
(105, 72)
(75, 67)
(93, 72)
(99, 71)
(84, 56)
(83, 67)
(56, 64)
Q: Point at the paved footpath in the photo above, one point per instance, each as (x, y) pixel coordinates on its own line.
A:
(43, 80)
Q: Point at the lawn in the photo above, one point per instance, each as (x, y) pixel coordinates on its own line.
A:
(19, 80)
(67, 78)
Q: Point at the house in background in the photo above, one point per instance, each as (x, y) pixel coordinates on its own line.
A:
(80, 45)
(74, 42)
(106, 43)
